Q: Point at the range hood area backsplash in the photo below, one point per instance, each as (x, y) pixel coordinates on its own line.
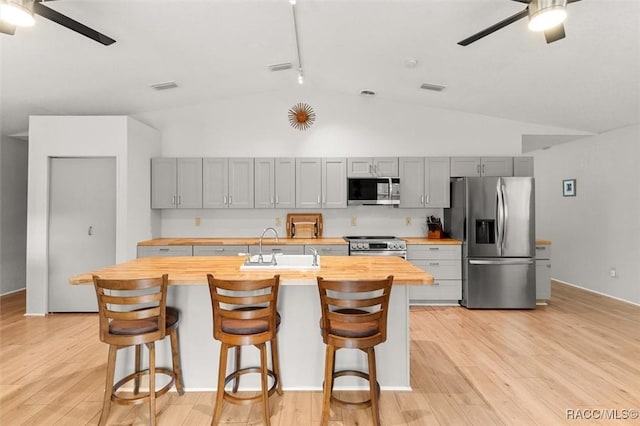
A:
(369, 220)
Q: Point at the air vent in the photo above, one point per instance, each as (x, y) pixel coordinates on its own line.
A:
(434, 87)
(367, 92)
(164, 86)
(280, 67)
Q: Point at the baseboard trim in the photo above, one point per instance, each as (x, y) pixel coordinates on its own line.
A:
(13, 291)
(596, 292)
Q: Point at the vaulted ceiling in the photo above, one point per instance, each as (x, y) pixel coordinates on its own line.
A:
(589, 81)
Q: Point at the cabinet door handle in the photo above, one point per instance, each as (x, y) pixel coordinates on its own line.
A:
(164, 249)
(220, 249)
(173, 200)
(427, 199)
(277, 200)
(478, 168)
(179, 199)
(318, 199)
(422, 199)
(230, 200)
(483, 169)
(90, 230)
(271, 200)
(224, 200)
(324, 199)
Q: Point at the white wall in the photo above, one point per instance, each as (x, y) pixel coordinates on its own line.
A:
(13, 214)
(346, 125)
(54, 136)
(599, 228)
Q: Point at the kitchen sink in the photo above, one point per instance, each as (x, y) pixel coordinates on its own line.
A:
(283, 261)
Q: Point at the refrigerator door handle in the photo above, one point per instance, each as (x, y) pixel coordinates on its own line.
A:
(500, 215)
(501, 262)
(505, 214)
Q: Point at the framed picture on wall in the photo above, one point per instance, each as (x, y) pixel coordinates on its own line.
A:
(569, 188)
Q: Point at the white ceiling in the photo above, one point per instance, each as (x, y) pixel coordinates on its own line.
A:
(589, 81)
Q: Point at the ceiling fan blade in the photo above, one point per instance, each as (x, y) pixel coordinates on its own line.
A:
(528, 1)
(572, 1)
(6, 28)
(72, 24)
(554, 34)
(495, 27)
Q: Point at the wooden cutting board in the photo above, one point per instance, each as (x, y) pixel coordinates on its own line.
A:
(304, 225)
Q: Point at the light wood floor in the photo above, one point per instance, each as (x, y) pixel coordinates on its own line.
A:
(467, 368)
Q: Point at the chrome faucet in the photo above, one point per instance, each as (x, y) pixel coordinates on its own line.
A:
(315, 256)
(273, 258)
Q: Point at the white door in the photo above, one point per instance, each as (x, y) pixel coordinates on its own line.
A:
(82, 228)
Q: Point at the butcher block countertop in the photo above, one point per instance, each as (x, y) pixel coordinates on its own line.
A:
(232, 241)
(193, 270)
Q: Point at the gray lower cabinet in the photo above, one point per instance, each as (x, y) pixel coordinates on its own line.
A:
(219, 250)
(164, 251)
(328, 249)
(278, 248)
(543, 272)
(444, 263)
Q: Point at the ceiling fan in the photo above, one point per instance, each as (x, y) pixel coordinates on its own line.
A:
(16, 13)
(544, 15)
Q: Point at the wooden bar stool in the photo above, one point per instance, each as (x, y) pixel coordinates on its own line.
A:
(354, 316)
(244, 313)
(133, 312)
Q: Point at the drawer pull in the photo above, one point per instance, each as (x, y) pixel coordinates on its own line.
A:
(219, 249)
(434, 248)
(540, 248)
(434, 263)
(164, 249)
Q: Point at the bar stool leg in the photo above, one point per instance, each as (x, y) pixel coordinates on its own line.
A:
(373, 386)
(265, 384)
(111, 369)
(175, 357)
(275, 361)
(138, 367)
(238, 354)
(328, 384)
(152, 383)
(222, 372)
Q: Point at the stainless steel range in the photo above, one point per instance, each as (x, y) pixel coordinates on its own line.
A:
(376, 246)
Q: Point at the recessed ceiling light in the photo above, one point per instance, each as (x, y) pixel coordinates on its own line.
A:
(164, 86)
(280, 67)
(411, 62)
(367, 92)
(434, 87)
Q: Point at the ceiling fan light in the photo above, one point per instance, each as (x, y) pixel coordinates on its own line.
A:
(546, 14)
(17, 12)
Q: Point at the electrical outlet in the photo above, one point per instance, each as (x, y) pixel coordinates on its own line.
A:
(613, 273)
(197, 221)
(278, 221)
(407, 221)
(354, 221)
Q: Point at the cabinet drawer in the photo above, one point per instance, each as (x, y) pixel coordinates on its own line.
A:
(440, 290)
(328, 250)
(158, 251)
(277, 248)
(441, 269)
(543, 251)
(432, 251)
(218, 250)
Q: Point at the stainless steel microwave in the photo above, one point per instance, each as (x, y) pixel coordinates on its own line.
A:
(373, 191)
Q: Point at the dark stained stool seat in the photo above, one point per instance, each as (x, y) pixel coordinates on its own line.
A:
(244, 313)
(354, 316)
(123, 323)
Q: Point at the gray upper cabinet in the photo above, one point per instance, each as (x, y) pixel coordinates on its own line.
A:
(523, 166)
(321, 183)
(176, 183)
(334, 183)
(481, 166)
(308, 183)
(372, 167)
(228, 183)
(424, 182)
(275, 182)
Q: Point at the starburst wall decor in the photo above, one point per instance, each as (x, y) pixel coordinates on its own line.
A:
(301, 116)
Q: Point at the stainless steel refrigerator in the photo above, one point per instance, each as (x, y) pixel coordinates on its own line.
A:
(494, 217)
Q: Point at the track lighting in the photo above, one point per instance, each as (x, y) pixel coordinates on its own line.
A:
(295, 32)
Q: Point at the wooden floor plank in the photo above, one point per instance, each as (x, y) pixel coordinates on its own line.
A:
(468, 367)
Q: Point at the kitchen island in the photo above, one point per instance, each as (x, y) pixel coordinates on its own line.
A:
(301, 346)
